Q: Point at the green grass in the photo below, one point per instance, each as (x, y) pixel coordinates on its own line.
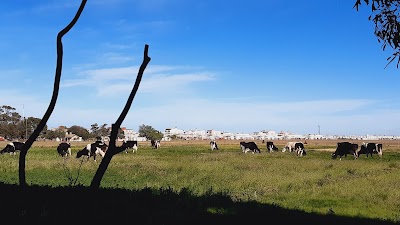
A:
(366, 187)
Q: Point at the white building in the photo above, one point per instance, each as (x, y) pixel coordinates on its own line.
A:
(243, 136)
(215, 134)
(228, 136)
(130, 135)
(194, 135)
(173, 131)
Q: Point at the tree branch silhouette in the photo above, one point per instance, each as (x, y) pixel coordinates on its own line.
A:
(386, 16)
(42, 123)
(112, 148)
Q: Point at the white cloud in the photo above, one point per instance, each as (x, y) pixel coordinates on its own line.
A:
(156, 79)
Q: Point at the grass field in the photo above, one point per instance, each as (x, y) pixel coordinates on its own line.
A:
(362, 188)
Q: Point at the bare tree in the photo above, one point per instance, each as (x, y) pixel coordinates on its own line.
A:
(41, 125)
(113, 149)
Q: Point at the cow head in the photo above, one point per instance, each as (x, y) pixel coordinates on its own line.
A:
(379, 149)
(82, 152)
(9, 148)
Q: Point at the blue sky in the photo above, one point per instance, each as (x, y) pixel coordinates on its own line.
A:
(238, 66)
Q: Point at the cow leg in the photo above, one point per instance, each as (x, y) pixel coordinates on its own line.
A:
(135, 148)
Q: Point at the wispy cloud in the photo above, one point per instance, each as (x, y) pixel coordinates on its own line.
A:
(339, 116)
(157, 79)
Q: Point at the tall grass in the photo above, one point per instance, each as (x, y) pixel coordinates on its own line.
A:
(366, 187)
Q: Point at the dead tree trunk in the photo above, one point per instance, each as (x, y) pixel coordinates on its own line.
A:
(112, 148)
(39, 128)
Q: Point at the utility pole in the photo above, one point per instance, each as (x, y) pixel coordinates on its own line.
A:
(26, 122)
(319, 130)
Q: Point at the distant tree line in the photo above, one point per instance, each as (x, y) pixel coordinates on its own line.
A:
(15, 127)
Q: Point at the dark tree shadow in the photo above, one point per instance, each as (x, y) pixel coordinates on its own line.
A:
(79, 205)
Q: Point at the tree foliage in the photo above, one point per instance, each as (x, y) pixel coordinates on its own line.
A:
(385, 15)
(13, 126)
(99, 131)
(80, 131)
(53, 134)
(149, 132)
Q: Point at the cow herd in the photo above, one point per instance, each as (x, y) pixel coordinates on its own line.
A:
(90, 150)
(347, 148)
(99, 148)
(342, 148)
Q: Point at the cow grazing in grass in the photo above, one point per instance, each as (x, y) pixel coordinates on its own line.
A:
(299, 149)
(155, 144)
(64, 149)
(130, 145)
(294, 146)
(12, 147)
(98, 147)
(344, 148)
(369, 149)
(289, 146)
(271, 147)
(213, 145)
(249, 147)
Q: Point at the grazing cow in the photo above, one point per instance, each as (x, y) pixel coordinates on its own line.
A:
(130, 145)
(290, 146)
(12, 147)
(93, 149)
(213, 145)
(370, 148)
(271, 147)
(294, 146)
(299, 149)
(344, 148)
(155, 144)
(64, 149)
(249, 147)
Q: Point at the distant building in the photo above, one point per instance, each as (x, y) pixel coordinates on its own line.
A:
(130, 135)
(173, 131)
(214, 134)
(72, 137)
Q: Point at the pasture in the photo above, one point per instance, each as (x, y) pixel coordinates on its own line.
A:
(315, 183)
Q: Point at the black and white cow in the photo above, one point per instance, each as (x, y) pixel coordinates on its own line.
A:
(98, 147)
(290, 146)
(155, 144)
(295, 146)
(369, 149)
(130, 145)
(64, 149)
(213, 145)
(344, 148)
(271, 147)
(249, 147)
(12, 147)
(299, 149)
